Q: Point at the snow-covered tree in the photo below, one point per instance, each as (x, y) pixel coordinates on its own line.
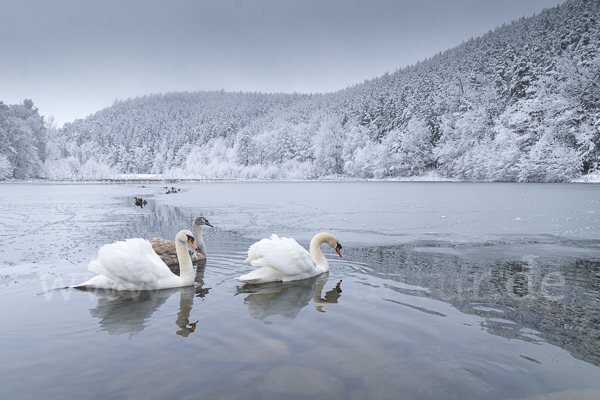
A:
(5, 167)
(328, 145)
(521, 102)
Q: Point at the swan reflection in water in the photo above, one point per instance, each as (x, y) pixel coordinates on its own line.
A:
(288, 298)
(130, 312)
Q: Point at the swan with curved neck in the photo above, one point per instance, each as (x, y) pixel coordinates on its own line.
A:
(283, 259)
(166, 248)
(132, 264)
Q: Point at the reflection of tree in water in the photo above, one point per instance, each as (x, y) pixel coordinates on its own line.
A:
(555, 300)
(159, 220)
(155, 220)
(130, 312)
(287, 298)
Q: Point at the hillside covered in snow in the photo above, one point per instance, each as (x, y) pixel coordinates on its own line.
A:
(520, 103)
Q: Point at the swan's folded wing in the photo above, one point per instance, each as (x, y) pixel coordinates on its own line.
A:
(283, 254)
(255, 251)
(163, 247)
(166, 249)
(131, 261)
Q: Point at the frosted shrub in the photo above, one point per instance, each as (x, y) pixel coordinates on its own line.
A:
(59, 169)
(93, 170)
(226, 170)
(365, 162)
(294, 169)
(217, 170)
(251, 172)
(549, 162)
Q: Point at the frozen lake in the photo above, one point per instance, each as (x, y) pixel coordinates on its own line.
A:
(448, 291)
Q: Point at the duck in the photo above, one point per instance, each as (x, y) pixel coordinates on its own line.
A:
(166, 249)
(133, 265)
(283, 259)
(138, 202)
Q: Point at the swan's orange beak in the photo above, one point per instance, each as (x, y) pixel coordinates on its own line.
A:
(338, 248)
(191, 242)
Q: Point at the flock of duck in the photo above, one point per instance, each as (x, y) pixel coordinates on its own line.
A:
(139, 264)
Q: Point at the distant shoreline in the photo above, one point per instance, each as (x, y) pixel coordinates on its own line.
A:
(138, 178)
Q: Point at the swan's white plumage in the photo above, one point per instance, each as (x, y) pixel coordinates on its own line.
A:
(132, 264)
(283, 254)
(283, 259)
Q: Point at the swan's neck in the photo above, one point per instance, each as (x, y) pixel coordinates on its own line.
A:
(186, 268)
(317, 254)
(200, 246)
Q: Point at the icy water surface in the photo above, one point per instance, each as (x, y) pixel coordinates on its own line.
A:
(446, 290)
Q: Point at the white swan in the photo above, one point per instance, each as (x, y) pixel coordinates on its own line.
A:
(133, 265)
(283, 259)
(168, 253)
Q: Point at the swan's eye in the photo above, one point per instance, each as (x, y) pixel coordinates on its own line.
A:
(339, 246)
(190, 238)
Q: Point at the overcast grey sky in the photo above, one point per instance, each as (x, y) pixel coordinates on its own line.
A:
(75, 57)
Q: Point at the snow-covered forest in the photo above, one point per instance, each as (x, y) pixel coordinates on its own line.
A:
(520, 103)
